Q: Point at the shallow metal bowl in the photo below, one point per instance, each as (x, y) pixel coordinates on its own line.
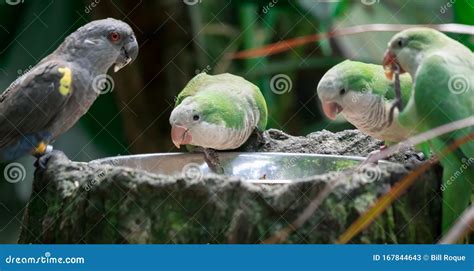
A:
(262, 167)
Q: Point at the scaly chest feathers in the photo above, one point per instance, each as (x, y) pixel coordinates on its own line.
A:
(220, 137)
(373, 117)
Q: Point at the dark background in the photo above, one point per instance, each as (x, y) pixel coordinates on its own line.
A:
(180, 38)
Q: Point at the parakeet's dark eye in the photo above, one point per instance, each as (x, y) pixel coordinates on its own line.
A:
(114, 36)
(195, 117)
(400, 43)
(342, 91)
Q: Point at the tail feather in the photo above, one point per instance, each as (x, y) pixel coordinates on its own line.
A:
(458, 178)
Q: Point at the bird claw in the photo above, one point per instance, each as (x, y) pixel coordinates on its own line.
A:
(212, 160)
(261, 140)
(420, 156)
(43, 160)
(370, 160)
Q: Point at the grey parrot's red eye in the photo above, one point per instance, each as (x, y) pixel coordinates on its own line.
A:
(114, 36)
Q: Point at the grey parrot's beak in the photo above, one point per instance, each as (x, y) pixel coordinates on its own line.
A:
(128, 53)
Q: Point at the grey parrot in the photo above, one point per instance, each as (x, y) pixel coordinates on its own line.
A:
(49, 99)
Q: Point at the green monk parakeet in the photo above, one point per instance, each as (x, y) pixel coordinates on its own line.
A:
(443, 91)
(364, 96)
(217, 112)
(49, 99)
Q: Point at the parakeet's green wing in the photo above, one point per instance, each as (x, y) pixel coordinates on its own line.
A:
(442, 104)
(447, 106)
(33, 101)
(262, 108)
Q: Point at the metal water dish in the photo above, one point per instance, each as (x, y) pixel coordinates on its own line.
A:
(260, 167)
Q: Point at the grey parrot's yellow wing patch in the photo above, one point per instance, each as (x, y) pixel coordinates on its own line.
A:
(30, 104)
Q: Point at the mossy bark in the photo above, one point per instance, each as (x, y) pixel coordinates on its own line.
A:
(92, 203)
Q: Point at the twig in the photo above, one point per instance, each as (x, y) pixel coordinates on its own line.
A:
(288, 44)
(463, 226)
(283, 234)
(420, 138)
(398, 94)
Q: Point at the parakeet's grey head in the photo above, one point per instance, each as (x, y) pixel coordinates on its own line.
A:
(101, 44)
(407, 49)
(348, 88)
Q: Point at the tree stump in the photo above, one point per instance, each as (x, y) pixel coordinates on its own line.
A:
(76, 202)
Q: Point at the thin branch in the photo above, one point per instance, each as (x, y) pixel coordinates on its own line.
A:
(463, 226)
(285, 45)
(420, 138)
(282, 235)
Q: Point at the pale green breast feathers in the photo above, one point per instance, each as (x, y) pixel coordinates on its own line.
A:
(227, 100)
